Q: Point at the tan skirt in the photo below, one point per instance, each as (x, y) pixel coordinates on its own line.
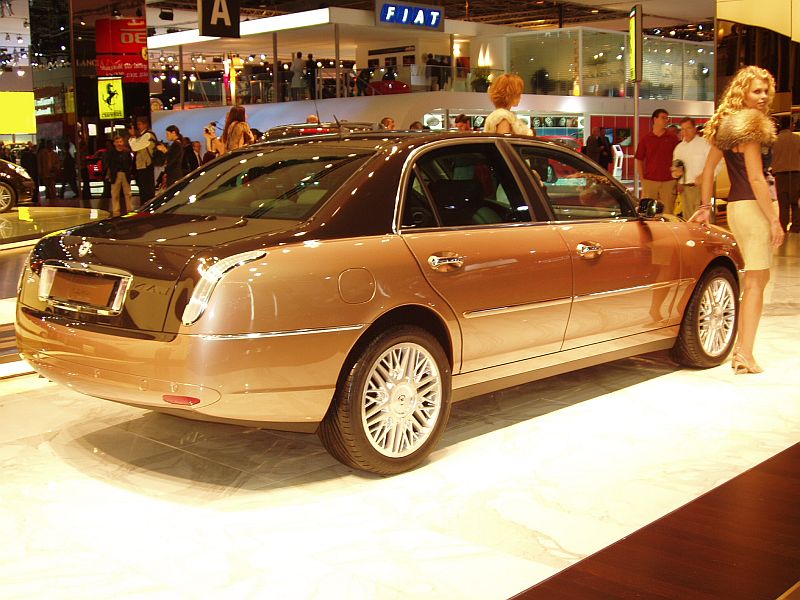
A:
(751, 229)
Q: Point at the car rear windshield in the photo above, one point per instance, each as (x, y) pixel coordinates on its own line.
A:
(286, 182)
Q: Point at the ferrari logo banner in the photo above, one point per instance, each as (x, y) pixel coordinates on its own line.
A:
(109, 97)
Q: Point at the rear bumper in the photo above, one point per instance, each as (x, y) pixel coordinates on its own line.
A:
(285, 382)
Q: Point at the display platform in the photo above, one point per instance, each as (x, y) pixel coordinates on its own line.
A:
(26, 223)
(107, 500)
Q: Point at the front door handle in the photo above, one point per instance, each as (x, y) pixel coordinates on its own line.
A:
(445, 263)
(589, 249)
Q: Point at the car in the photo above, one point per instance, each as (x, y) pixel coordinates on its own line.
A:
(565, 140)
(303, 129)
(94, 165)
(387, 87)
(355, 286)
(16, 185)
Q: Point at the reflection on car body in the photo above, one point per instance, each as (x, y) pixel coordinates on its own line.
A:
(356, 284)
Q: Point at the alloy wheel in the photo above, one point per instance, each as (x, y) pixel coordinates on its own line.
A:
(717, 316)
(402, 400)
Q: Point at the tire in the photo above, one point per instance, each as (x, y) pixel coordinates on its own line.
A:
(388, 414)
(7, 197)
(708, 329)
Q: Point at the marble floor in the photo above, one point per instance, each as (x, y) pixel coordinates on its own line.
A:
(99, 500)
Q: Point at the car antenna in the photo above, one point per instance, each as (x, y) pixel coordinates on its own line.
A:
(316, 108)
(338, 125)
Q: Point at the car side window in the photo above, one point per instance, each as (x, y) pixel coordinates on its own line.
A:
(462, 185)
(574, 189)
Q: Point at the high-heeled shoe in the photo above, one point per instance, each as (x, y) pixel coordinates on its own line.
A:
(741, 365)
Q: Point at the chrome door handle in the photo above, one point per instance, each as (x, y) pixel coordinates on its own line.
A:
(438, 262)
(589, 249)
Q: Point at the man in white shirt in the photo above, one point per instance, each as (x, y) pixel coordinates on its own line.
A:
(692, 152)
(143, 143)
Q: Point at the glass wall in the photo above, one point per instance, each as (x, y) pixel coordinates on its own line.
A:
(547, 61)
(673, 69)
(604, 63)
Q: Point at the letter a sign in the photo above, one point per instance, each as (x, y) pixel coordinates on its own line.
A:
(218, 18)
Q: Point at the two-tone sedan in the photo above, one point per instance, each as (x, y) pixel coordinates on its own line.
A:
(357, 284)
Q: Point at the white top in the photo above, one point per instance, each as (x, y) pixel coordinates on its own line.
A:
(693, 154)
(518, 126)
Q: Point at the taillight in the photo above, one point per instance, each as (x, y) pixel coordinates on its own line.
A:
(208, 281)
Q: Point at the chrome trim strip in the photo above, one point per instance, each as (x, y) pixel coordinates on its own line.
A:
(273, 334)
(489, 312)
(633, 290)
(49, 267)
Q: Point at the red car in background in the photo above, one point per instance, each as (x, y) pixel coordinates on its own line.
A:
(95, 166)
(389, 86)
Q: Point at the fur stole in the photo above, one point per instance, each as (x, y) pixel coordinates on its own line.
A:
(747, 125)
(518, 126)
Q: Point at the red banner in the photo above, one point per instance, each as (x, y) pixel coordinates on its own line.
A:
(122, 49)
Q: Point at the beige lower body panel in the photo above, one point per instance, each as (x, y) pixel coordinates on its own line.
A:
(484, 381)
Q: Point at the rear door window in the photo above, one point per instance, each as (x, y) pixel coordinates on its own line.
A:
(462, 185)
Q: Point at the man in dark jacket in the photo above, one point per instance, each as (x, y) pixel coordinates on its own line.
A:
(191, 160)
(27, 160)
(173, 166)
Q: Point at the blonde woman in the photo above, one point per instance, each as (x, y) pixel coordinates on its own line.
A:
(505, 93)
(737, 132)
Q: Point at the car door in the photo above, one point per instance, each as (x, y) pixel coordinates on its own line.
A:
(627, 270)
(506, 277)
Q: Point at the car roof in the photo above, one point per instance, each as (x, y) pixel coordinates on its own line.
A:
(387, 138)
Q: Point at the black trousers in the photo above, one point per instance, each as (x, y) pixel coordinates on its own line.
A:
(788, 188)
(147, 184)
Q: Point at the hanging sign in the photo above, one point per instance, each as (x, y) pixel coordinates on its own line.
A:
(409, 16)
(109, 97)
(218, 18)
(121, 46)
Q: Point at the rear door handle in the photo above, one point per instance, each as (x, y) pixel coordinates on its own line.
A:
(589, 249)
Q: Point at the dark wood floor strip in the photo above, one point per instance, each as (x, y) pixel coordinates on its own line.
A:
(739, 541)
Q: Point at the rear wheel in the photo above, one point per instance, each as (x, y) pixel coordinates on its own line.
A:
(393, 404)
(7, 197)
(708, 330)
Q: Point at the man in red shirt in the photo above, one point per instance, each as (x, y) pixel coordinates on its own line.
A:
(653, 161)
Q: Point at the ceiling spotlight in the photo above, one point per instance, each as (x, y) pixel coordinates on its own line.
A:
(166, 14)
(26, 24)
(20, 40)
(115, 12)
(20, 73)
(82, 22)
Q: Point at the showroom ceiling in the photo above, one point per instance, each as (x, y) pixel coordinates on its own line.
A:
(526, 14)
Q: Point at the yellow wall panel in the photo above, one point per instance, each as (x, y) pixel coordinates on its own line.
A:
(770, 14)
(18, 113)
(796, 20)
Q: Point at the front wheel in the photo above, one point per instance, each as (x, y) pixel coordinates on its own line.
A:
(392, 405)
(708, 329)
(7, 197)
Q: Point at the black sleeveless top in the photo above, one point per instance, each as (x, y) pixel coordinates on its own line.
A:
(737, 173)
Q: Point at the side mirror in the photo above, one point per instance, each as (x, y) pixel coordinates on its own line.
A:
(649, 208)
